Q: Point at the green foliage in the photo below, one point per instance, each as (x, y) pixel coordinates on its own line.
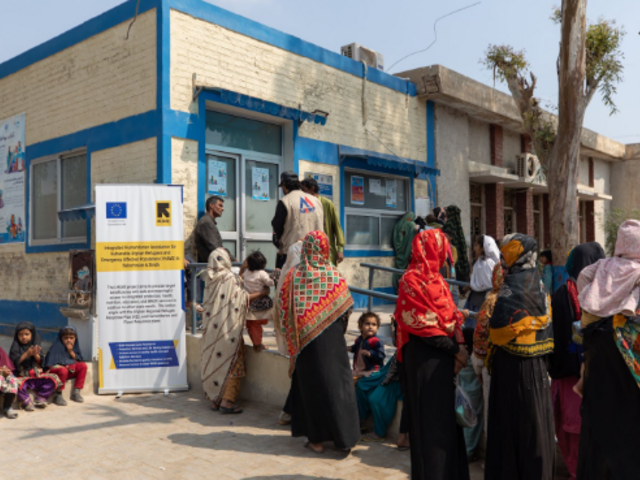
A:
(604, 59)
(612, 223)
(505, 61)
(556, 16)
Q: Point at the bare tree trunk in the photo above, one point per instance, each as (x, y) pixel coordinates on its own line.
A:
(564, 158)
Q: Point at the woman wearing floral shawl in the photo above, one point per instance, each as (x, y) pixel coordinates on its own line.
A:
(313, 297)
(430, 349)
(225, 305)
(520, 441)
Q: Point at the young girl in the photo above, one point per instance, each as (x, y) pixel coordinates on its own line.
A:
(25, 356)
(8, 384)
(255, 281)
(65, 360)
(368, 350)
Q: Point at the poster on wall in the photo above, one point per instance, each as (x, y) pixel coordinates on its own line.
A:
(260, 184)
(12, 180)
(375, 186)
(391, 201)
(357, 190)
(325, 184)
(217, 179)
(139, 265)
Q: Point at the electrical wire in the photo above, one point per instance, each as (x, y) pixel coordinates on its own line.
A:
(134, 20)
(435, 33)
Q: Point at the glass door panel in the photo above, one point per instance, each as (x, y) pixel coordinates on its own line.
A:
(261, 195)
(266, 247)
(221, 181)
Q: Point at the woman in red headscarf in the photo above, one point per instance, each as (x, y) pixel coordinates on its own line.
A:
(430, 347)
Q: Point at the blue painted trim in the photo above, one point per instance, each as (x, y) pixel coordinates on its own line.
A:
(276, 38)
(316, 151)
(78, 34)
(362, 301)
(200, 125)
(349, 253)
(387, 161)
(163, 85)
(431, 134)
(41, 314)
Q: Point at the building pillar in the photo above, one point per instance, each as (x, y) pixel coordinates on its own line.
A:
(524, 211)
(494, 201)
(495, 135)
(525, 143)
(546, 221)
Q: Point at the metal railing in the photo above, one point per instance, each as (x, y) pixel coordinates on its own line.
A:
(373, 267)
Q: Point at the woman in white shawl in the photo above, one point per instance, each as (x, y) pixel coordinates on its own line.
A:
(487, 254)
(225, 304)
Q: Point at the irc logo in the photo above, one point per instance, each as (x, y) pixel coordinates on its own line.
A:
(306, 206)
(163, 213)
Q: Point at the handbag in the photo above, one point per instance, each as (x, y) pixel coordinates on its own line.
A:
(466, 416)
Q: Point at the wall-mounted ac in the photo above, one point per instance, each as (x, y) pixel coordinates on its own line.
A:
(359, 53)
(528, 167)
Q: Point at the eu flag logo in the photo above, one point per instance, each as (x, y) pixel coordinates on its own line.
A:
(116, 209)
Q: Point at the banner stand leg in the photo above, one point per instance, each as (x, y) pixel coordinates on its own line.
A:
(120, 393)
(166, 392)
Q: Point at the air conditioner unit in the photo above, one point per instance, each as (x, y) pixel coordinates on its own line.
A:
(528, 167)
(362, 54)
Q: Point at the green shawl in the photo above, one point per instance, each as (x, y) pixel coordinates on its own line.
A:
(454, 224)
(403, 234)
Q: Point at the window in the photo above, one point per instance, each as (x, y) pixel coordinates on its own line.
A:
(509, 212)
(240, 133)
(57, 183)
(477, 207)
(373, 205)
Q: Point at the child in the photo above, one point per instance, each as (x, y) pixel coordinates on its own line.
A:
(611, 286)
(255, 281)
(65, 360)
(546, 260)
(25, 356)
(368, 350)
(8, 385)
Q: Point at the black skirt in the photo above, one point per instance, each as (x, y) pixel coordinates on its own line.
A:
(610, 434)
(323, 397)
(521, 439)
(437, 443)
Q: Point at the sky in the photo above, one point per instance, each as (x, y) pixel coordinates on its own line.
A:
(395, 28)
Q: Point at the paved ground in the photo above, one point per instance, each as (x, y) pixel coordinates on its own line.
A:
(178, 437)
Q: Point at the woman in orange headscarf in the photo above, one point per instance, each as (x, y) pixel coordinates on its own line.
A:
(430, 347)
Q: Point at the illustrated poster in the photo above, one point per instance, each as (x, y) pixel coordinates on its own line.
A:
(260, 184)
(12, 180)
(325, 184)
(391, 201)
(217, 180)
(357, 190)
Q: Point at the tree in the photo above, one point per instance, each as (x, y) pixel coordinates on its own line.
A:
(590, 60)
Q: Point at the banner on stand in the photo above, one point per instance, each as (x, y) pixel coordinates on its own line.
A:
(12, 183)
(140, 270)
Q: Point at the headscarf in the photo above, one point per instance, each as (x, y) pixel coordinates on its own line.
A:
(612, 285)
(403, 234)
(521, 321)
(17, 348)
(293, 260)
(425, 306)
(5, 360)
(481, 332)
(225, 308)
(313, 296)
(454, 223)
(481, 279)
(566, 309)
(441, 215)
(58, 354)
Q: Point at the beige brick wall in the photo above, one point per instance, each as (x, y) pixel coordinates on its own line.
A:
(232, 61)
(323, 169)
(184, 171)
(103, 79)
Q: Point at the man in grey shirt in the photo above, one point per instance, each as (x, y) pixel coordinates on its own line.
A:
(207, 236)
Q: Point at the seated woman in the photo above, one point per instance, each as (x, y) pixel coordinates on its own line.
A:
(323, 400)
(8, 385)
(65, 360)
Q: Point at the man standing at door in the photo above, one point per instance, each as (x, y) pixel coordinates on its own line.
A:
(207, 236)
(296, 215)
(332, 226)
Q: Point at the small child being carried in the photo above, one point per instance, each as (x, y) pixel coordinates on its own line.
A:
(256, 280)
(368, 350)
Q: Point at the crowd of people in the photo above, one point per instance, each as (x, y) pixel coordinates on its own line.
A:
(540, 362)
(27, 370)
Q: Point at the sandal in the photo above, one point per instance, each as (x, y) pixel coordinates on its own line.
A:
(403, 448)
(372, 437)
(230, 411)
(308, 445)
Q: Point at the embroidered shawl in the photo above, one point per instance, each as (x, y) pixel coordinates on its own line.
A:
(627, 337)
(225, 305)
(521, 320)
(313, 296)
(293, 260)
(481, 332)
(454, 224)
(425, 307)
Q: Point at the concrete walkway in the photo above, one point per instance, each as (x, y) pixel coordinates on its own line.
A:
(178, 437)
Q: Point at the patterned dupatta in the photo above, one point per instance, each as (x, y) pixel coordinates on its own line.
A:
(225, 308)
(313, 296)
(481, 332)
(425, 306)
(627, 337)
